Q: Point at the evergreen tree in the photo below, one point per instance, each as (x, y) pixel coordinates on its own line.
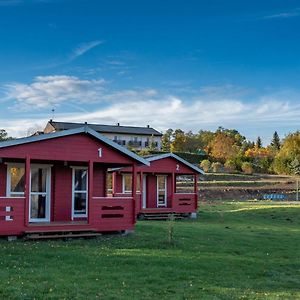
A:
(275, 143)
(258, 143)
(3, 135)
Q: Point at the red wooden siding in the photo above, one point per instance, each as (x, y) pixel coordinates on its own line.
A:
(99, 181)
(11, 216)
(79, 147)
(112, 214)
(3, 172)
(62, 193)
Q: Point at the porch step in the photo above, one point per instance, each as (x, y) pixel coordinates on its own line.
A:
(160, 216)
(58, 234)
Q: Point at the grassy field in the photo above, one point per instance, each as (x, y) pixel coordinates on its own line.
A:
(233, 251)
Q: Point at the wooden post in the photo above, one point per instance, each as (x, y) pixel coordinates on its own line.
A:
(173, 189)
(196, 190)
(27, 190)
(114, 183)
(134, 175)
(141, 191)
(90, 187)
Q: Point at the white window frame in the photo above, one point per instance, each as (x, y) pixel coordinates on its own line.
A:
(9, 193)
(86, 192)
(159, 190)
(47, 194)
(124, 191)
(123, 184)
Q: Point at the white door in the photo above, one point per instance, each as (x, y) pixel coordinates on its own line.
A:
(144, 204)
(79, 192)
(40, 186)
(161, 191)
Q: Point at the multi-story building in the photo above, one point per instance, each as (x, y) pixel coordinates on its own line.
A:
(127, 136)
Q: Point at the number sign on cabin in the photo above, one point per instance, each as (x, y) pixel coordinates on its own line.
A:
(100, 152)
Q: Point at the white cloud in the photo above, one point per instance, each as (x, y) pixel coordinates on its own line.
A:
(49, 91)
(214, 106)
(83, 48)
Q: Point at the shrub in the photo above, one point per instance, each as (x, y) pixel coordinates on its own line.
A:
(230, 165)
(247, 167)
(217, 167)
(205, 165)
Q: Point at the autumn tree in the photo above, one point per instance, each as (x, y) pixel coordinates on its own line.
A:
(178, 143)
(223, 147)
(289, 151)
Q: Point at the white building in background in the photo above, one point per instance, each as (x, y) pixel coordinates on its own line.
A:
(127, 136)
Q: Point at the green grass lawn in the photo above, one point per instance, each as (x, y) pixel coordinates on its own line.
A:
(233, 251)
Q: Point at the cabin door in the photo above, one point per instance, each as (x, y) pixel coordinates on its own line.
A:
(144, 203)
(40, 185)
(80, 192)
(161, 191)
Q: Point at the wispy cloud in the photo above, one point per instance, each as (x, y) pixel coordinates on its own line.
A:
(49, 91)
(83, 48)
(282, 15)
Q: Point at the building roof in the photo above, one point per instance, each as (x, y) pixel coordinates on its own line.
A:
(178, 158)
(155, 157)
(84, 129)
(59, 126)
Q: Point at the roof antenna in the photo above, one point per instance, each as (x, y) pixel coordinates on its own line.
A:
(53, 111)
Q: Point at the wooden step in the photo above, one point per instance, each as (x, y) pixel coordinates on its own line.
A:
(59, 236)
(161, 216)
(60, 230)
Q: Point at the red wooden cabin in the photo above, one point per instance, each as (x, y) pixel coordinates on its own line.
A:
(168, 185)
(57, 182)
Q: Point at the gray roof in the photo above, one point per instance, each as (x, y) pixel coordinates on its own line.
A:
(166, 155)
(85, 129)
(59, 126)
(172, 155)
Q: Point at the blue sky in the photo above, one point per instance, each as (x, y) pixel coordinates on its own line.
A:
(180, 64)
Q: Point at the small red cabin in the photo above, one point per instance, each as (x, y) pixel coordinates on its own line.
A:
(168, 185)
(57, 183)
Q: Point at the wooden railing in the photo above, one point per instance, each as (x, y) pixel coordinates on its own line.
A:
(11, 215)
(112, 213)
(185, 203)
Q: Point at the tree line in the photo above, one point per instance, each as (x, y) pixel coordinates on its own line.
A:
(228, 150)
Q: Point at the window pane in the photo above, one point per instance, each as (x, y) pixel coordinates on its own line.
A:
(80, 203)
(38, 206)
(109, 182)
(185, 184)
(161, 182)
(17, 183)
(80, 180)
(127, 183)
(38, 180)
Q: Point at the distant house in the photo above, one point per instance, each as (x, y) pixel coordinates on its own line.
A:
(127, 136)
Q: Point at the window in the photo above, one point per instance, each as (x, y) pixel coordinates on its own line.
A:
(161, 191)
(109, 187)
(80, 192)
(15, 180)
(184, 184)
(127, 183)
